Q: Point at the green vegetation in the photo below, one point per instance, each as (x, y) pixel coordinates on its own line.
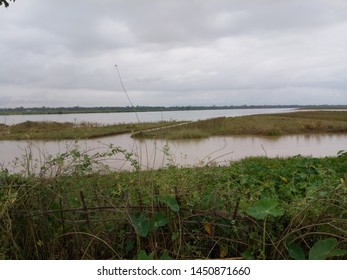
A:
(260, 208)
(58, 131)
(267, 125)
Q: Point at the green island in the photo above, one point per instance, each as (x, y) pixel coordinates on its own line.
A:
(264, 125)
(30, 130)
(255, 208)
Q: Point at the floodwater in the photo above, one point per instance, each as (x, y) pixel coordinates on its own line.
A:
(115, 118)
(153, 154)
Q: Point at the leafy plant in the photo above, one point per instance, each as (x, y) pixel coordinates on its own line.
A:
(326, 248)
(255, 208)
(142, 255)
(160, 220)
(295, 251)
(321, 250)
(141, 224)
(170, 201)
(261, 210)
(264, 208)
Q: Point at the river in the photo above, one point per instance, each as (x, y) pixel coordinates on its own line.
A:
(116, 118)
(153, 154)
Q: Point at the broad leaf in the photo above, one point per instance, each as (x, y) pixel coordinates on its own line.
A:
(324, 249)
(141, 224)
(265, 207)
(160, 220)
(143, 256)
(165, 256)
(170, 201)
(248, 255)
(129, 246)
(295, 251)
(338, 253)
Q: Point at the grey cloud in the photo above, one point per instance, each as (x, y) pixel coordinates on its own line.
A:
(173, 52)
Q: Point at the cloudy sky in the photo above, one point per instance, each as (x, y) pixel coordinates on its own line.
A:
(173, 52)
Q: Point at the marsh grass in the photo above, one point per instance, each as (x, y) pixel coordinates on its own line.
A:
(60, 131)
(264, 125)
(256, 208)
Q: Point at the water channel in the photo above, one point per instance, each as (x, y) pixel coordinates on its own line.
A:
(161, 153)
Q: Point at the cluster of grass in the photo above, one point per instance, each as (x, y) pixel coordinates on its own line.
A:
(260, 208)
(266, 125)
(30, 130)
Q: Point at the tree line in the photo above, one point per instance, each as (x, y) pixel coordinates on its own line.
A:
(114, 109)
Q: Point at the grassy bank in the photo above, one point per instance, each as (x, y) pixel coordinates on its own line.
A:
(267, 125)
(260, 208)
(58, 131)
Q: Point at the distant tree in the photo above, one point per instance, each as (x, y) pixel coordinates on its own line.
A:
(5, 2)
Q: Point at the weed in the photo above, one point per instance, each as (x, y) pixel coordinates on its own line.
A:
(260, 208)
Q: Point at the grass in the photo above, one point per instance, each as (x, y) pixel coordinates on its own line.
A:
(258, 208)
(58, 131)
(266, 125)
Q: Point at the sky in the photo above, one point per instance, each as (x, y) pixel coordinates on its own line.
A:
(173, 52)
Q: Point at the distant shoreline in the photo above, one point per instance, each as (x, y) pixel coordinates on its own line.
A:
(128, 109)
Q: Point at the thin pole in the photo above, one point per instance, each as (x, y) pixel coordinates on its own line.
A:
(126, 93)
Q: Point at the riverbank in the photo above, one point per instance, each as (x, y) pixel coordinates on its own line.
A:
(265, 125)
(30, 130)
(259, 208)
(260, 125)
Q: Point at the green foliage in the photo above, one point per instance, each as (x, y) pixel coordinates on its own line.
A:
(141, 224)
(171, 202)
(295, 251)
(143, 256)
(160, 220)
(260, 208)
(321, 250)
(324, 249)
(265, 207)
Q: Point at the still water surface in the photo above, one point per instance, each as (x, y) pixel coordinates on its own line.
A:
(114, 118)
(160, 153)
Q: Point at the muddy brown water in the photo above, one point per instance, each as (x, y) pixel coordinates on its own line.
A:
(154, 154)
(14, 155)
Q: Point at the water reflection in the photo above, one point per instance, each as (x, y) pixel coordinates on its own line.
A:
(159, 153)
